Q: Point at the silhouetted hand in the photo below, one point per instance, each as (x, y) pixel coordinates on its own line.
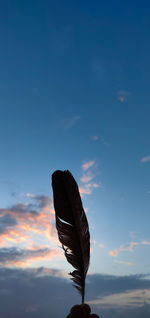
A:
(81, 311)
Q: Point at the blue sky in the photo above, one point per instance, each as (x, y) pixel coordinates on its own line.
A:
(74, 94)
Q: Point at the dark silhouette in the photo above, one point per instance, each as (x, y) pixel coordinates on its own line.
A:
(73, 233)
(72, 226)
(81, 311)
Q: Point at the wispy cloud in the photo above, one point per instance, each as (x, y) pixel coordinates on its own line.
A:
(123, 96)
(133, 235)
(123, 262)
(127, 247)
(96, 243)
(145, 159)
(87, 177)
(130, 299)
(101, 245)
(104, 142)
(94, 138)
(29, 195)
(88, 165)
(145, 242)
(70, 122)
(87, 189)
(101, 140)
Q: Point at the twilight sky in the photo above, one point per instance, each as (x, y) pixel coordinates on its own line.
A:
(74, 94)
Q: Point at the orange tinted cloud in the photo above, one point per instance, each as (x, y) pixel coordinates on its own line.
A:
(127, 247)
(84, 190)
(27, 222)
(29, 219)
(13, 256)
(114, 252)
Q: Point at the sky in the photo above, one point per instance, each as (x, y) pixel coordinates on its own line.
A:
(74, 94)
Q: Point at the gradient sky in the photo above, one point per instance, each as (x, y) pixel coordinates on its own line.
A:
(74, 94)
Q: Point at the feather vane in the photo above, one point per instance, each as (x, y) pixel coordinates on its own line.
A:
(72, 226)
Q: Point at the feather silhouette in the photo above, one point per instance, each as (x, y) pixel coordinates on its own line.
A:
(72, 226)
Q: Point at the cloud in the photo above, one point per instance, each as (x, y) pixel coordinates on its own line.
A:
(88, 165)
(102, 140)
(123, 262)
(114, 252)
(6, 222)
(94, 138)
(127, 247)
(70, 122)
(134, 298)
(145, 242)
(31, 292)
(133, 235)
(87, 189)
(145, 159)
(87, 177)
(101, 245)
(42, 201)
(123, 96)
(106, 285)
(22, 223)
(14, 256)
(96, 243)
(29, 195)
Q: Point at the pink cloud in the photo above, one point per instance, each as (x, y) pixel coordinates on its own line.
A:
(88, 165)
(127, 247)
(25, 221)
(145, 159)
(87, 189)
(87, 177)
(13, 256)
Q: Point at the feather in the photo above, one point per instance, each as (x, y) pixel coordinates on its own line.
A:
(72, 226)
